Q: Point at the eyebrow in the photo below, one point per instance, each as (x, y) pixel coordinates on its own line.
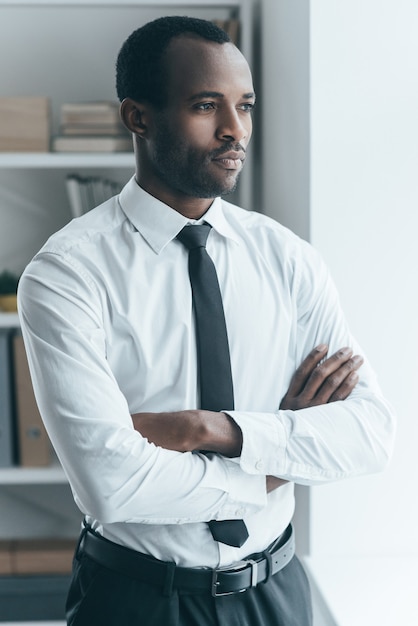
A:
(217, 94)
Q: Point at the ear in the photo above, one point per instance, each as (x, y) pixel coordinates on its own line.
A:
(134, 116)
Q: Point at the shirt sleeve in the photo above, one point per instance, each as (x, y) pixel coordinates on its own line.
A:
(331, 441)
(116, 475)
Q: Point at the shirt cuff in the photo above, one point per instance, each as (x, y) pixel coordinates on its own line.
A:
(246, 494)
(264, 442)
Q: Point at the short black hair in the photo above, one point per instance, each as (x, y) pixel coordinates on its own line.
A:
(139, 68)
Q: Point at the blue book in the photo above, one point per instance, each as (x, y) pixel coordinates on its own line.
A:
(7, 456)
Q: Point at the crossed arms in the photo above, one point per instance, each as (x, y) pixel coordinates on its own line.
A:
(318, 380)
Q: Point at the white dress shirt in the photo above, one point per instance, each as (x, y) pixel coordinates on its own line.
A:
(106, 314)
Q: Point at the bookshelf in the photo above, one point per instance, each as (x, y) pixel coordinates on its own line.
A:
(66, 161)
(75, 63)
(32, 191)
(68, 68)
(53, 475)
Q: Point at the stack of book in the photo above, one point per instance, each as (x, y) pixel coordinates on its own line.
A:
(91, 127)
(23, 438)
(84, 193)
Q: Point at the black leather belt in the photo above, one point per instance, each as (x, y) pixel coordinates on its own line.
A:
(222, 581)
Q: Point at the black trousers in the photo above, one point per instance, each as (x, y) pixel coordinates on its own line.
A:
(101, 597)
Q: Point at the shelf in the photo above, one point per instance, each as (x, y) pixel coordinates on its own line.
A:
(9, 320)
(48, 623)
(138, 3)
(52, 475)
(65, 160)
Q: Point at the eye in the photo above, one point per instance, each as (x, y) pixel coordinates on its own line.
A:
(248, 107)
(204, 106)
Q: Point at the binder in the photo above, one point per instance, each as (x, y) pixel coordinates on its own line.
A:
(5, 557)
(34, 448)
(7, 447)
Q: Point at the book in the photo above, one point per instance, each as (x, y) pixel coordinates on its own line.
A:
(74, 193)
(86, 193)
(7, 439)
(90, 113)
(90, 128)
(5, 557)
(34, 447)
(24, 124)
(92, 143)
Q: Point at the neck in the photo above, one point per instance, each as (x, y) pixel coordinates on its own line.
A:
(192, 208)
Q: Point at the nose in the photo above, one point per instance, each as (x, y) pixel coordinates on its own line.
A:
(234, 125)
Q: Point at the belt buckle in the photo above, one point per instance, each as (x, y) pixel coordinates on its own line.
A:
(239, 566)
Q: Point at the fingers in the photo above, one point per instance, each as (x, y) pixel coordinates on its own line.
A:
(337, 376)
(327, 377)
(305, 370)
(345, 388)
(319, 380)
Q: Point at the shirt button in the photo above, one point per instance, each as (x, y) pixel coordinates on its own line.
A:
(240, 512)
(259, 465)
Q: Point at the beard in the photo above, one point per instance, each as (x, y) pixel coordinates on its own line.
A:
(189, 170)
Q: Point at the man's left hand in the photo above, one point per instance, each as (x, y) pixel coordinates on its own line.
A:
(319, 380)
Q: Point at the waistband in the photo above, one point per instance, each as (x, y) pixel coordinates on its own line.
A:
(235, 578)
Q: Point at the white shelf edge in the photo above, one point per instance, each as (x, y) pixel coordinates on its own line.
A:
(53, 474)
(48, 623)
(64, 160)
(9, 320)
(138, 3)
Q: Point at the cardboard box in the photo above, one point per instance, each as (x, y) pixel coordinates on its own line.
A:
(37, 556)
(24, 124)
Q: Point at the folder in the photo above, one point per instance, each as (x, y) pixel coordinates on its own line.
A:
(5, 557)
(34, 447)
(7, 443)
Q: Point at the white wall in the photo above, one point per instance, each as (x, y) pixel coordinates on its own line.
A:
(360, 211)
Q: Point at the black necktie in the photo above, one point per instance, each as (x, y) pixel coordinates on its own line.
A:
(214, 365)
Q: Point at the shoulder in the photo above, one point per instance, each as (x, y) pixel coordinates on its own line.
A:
(88, 230)
(81, 249)
(267, 233)
(280, 250)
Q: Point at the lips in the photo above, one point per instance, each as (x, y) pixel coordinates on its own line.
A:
(232, 160)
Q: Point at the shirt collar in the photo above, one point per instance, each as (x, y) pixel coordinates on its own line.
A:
(158, 223)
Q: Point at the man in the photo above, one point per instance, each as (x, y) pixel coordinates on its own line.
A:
(111, 321)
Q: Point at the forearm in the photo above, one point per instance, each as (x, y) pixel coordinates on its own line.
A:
(188, 431)
(115, 474)
(318, 444)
